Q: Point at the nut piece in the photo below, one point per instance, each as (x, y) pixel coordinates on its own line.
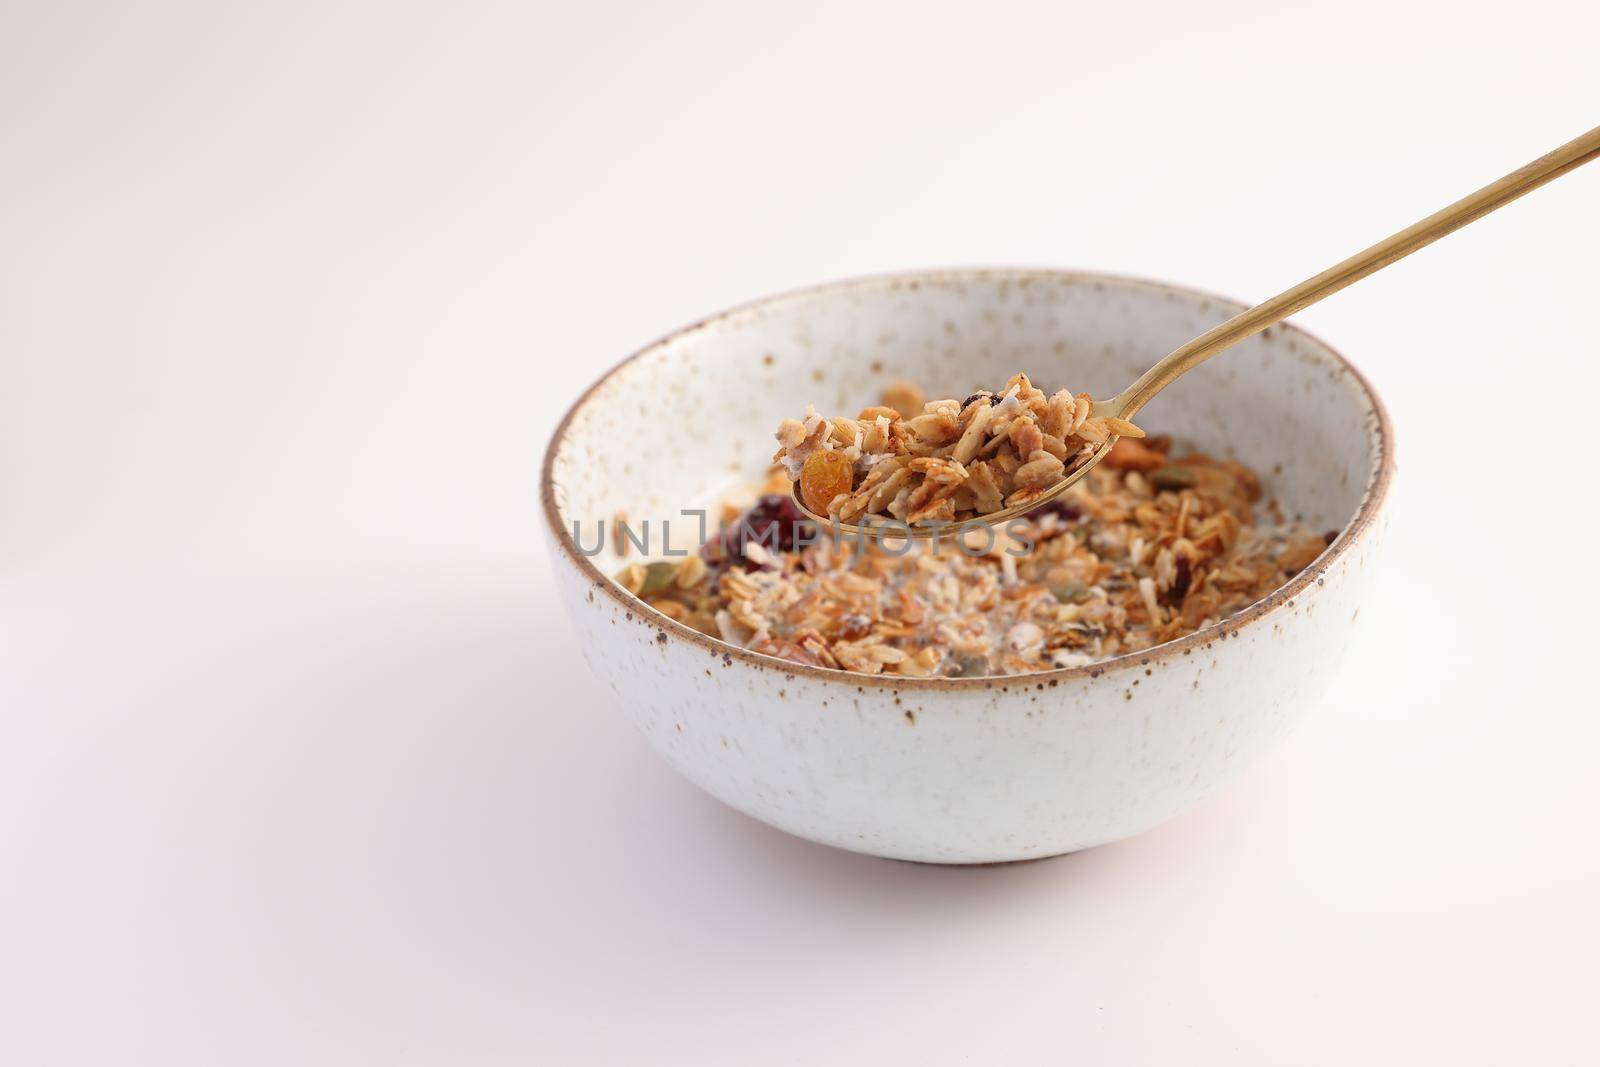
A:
(1123, 427)
(690, 572)
(1025, 637)
(631, 578)
(1129, 454)
(825, 475)
(791, 432)
(1040, 472)
(905, 398)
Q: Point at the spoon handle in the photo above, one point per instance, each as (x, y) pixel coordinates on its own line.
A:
(1469, 208)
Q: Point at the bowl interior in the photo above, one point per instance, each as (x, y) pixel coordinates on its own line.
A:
(691, 418)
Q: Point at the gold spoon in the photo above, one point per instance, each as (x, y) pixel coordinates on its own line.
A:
(1126, 404)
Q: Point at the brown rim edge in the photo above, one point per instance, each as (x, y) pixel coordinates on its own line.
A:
(1376, 492)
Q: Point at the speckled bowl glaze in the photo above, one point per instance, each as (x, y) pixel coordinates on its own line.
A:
(966, 770)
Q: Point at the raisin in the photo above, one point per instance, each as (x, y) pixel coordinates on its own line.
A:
(825, 475)
(1183, 575)
(993, 400)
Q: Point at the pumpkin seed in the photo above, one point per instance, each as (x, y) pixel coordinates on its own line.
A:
(1173, 478)
(658, 577)
(1071, 592)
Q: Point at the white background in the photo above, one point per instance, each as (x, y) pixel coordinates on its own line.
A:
(298, 760)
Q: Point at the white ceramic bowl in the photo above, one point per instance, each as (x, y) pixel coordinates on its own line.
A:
(983, 769)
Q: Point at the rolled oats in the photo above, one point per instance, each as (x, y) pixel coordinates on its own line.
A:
(941, 460)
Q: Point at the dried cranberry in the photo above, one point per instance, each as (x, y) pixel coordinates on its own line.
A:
(1068, 511)
(1329, 537)
(772, 522)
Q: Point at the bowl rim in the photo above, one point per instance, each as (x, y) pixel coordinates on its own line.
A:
(1374, 495)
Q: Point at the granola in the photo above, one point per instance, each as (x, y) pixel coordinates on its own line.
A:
(1150, 546)
(942, 461)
